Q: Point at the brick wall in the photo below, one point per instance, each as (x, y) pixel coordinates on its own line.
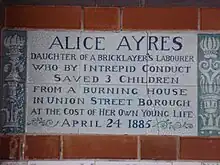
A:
(28, 147)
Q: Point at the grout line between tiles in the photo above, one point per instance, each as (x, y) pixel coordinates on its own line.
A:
(138, 148)
(23, 147)
(121, 18)
(82, 18)
(61, 147)
(199, 19)
(178, 148)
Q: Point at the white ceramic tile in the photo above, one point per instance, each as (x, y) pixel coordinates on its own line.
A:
(176, 112)
(41, 69)
(77, 162)
(13, 163)
(210, 163)
(187, 163)
(133, 162)
(45, 114)
(179, 46)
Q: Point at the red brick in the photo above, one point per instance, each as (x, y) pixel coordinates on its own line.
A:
(199, 148)
(107, 147)
(159, 147)
(210, 18)
(10, 147)
(101, 18)
(160, 18)
(42, 147)
(64, 17)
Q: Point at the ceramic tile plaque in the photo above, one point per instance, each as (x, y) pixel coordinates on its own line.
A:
(160, 83)
(124, 162)
(106, 162)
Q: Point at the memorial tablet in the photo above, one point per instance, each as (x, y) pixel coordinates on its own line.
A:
(159, 83)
